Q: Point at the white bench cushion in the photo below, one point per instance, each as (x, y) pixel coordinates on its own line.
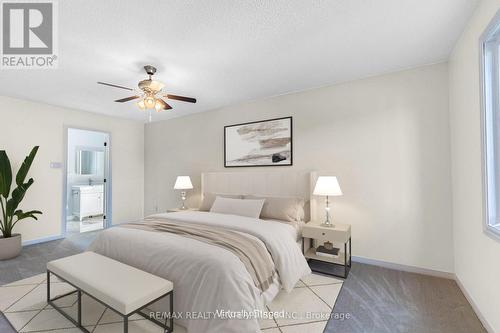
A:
(120, 286)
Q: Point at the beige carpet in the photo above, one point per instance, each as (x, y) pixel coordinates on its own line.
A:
(24, 304)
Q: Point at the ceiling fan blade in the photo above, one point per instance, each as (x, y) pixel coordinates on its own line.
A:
(164, 105)
(126, 99)
(181, 98)
(115, 86)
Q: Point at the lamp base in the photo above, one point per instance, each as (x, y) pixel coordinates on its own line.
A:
(328, 222)
(183, 198)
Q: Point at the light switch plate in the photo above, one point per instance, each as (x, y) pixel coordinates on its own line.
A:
(55, 165)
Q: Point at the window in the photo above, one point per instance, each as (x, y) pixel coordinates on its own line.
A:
(490, 118)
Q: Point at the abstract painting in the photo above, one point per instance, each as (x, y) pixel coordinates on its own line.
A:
(259, 143)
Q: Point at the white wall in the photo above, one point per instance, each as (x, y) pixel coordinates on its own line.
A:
(386, 138)
(477, 256)
(25, 124)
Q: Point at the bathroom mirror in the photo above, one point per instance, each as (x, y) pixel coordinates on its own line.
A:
(89, 161)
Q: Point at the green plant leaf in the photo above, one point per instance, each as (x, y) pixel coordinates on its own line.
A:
(5, 174)
(24, 215)
(17, 196)
(9, 202)
(25, 167)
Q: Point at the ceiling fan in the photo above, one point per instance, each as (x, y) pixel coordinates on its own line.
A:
(150, 93)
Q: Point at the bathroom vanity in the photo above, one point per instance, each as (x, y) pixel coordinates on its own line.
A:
(88, 200)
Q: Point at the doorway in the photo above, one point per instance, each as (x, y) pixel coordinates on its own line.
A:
(86, 181)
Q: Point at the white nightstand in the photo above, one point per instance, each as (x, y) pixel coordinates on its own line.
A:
(313, 235)
(174, 210)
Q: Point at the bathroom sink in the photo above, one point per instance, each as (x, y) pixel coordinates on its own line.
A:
(89, 188)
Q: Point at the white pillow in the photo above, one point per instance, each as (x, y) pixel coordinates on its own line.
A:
(248, 208)
(209, 198)
(281, 208)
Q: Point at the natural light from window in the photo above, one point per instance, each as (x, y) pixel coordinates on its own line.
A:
(490, 70)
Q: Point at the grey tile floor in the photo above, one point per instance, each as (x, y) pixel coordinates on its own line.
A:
(377, 300)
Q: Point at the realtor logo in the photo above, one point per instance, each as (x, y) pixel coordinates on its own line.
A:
(28, 34)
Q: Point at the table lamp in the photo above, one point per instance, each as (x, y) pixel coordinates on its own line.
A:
(183, 183)
(327, 186)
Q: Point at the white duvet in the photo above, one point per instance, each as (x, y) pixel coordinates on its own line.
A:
(208, 278)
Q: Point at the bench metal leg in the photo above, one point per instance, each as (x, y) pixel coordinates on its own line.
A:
(80, 292)
(345, 260)
(168, 329)
(79, 308)
(171, 326)
(50, 301)
(48, 286)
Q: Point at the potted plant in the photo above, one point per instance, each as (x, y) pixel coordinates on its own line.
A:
(10, 244)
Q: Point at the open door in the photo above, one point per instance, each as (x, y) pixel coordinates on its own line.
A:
(86, 181)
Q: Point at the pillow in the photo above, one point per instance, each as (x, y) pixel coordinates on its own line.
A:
(209, 198)
(281, 208)
(249, 208)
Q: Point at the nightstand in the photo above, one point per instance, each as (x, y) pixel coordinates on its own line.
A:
(174, 210)
(313, 235)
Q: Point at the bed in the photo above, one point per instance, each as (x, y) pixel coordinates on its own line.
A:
(209, 280)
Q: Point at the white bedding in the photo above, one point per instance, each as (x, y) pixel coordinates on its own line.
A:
(295, 227)
(206, 277)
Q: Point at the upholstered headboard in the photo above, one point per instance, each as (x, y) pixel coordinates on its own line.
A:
(266, 183)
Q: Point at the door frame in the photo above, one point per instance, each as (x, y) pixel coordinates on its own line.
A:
(107, 175)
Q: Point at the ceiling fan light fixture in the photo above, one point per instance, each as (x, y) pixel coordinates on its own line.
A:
(156, 85)
(150, 94)
(158, 105)
(141, 104)
(150, 102)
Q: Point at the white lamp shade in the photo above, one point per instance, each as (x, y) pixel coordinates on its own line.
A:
(183, 183)
(327, 185)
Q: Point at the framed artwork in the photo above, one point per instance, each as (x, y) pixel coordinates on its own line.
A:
(259, 143)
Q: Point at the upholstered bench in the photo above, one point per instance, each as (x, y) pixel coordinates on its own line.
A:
(124, 289)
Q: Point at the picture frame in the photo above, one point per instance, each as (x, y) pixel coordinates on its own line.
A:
(260, 143)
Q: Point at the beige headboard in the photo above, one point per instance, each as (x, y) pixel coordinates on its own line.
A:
(271, 183)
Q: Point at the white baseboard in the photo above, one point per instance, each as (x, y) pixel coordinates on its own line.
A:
(42, 240)
(404, 268)
(483, 320)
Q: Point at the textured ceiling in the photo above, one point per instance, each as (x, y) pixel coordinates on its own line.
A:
(224, 52)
